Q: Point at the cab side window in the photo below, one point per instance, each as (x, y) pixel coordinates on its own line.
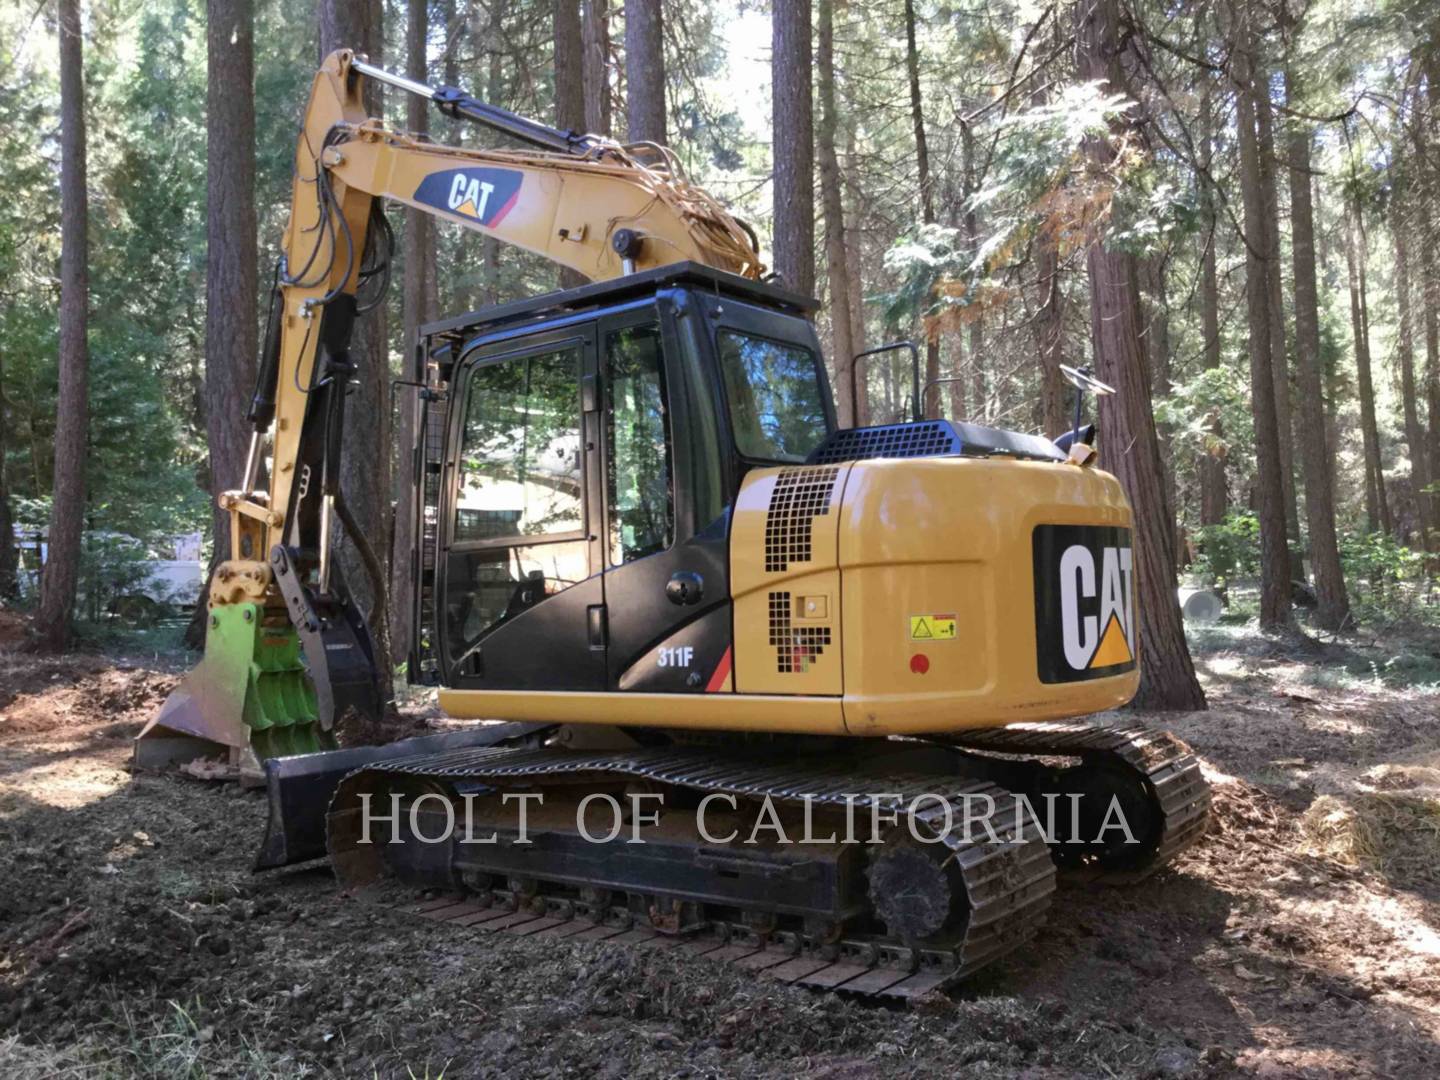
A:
(519, 512)
(639, 474)
(520, 456)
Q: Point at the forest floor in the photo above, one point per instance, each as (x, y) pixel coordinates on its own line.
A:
(1301, 939)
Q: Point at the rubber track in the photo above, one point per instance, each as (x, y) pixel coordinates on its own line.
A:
(1008, 883)
(1171, 771)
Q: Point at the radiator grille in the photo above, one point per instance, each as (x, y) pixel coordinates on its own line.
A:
(799, 497)
(927, 438)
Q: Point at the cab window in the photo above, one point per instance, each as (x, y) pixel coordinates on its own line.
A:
(639, 476)
(519, 511)
(520, 456)
(774, 391)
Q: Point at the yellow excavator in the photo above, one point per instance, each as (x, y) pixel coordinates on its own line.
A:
(786, 694)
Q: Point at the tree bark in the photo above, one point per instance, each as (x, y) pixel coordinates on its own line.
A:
(1270, 491)
(1430, 224)
(231, 255)
(1377, 509)
(855, 261)
(1132, 449)
(1414, 430)
(9, 552)
(792, 145)
(1213, 497)
(419, 305)
(72, 419)
(1332, 608)
(1279, 357)
(971, 183)
(837, 261)
(495, 91)
(366, 444)
(595, 34)
(569, 91)
(645, 71)
(1157, 341)
(927, 193)
(1050, 330)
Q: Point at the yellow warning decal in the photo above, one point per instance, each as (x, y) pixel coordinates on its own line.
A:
(932, 627)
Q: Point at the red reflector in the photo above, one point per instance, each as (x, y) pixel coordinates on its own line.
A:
(919, 663)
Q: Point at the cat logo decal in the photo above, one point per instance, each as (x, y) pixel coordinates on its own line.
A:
(483, 195)
(1084, 602)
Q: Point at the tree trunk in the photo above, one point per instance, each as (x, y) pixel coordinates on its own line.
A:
(837, 262)
(9, 553)
(1377, 510)
(569, 91)
(1279, 357)
(595, 35)
(418, 306)
(980, 392)
(366, 444)
(231, 252)
(1430, 225)
(1131, 447)
(1332, 609)
(495, 91)
(1050, 331)
(1414, 430)
(1270, 491)
(1157, 341)
(858, 337)
(645, 71)
(931, 403)
(1213, 498)
(792, 146)
(72, 415)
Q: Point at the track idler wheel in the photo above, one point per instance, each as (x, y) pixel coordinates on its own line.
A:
(918, 892)
(1116, 824)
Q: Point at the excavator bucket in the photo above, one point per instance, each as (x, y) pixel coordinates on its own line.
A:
(249, 698)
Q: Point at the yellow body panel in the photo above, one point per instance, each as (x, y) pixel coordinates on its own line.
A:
(952, 536)
(716, 712)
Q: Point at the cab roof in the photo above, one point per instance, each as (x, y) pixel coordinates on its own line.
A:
(607, 293)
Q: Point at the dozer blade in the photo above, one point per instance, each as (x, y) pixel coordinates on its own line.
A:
(300, 787)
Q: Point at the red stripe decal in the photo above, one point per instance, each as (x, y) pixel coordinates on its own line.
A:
(494, 222)
(722, 674)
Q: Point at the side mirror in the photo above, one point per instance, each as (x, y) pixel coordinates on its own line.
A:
(1082, 380)
(914, 373)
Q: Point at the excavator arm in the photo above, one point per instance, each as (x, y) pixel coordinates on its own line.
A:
(582, 201)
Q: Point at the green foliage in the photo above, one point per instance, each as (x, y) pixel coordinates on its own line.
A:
(1376, 566)
(1228, 551)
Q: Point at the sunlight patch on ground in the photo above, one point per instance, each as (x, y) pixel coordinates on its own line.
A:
(65, 786)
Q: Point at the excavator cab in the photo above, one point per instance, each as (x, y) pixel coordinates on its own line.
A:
(578, 458)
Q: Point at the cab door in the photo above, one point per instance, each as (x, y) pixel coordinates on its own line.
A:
(521, 604)
(666, 519)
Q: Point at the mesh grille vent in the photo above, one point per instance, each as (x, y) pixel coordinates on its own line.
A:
(927, 438)
(796, 647)
(798, 498)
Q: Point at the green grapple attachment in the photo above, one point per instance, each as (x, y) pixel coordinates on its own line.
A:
(249, 698)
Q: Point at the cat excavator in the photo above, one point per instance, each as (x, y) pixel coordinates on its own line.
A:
(737, 679)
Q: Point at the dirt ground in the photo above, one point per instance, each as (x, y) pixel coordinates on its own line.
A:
(1302, 939)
